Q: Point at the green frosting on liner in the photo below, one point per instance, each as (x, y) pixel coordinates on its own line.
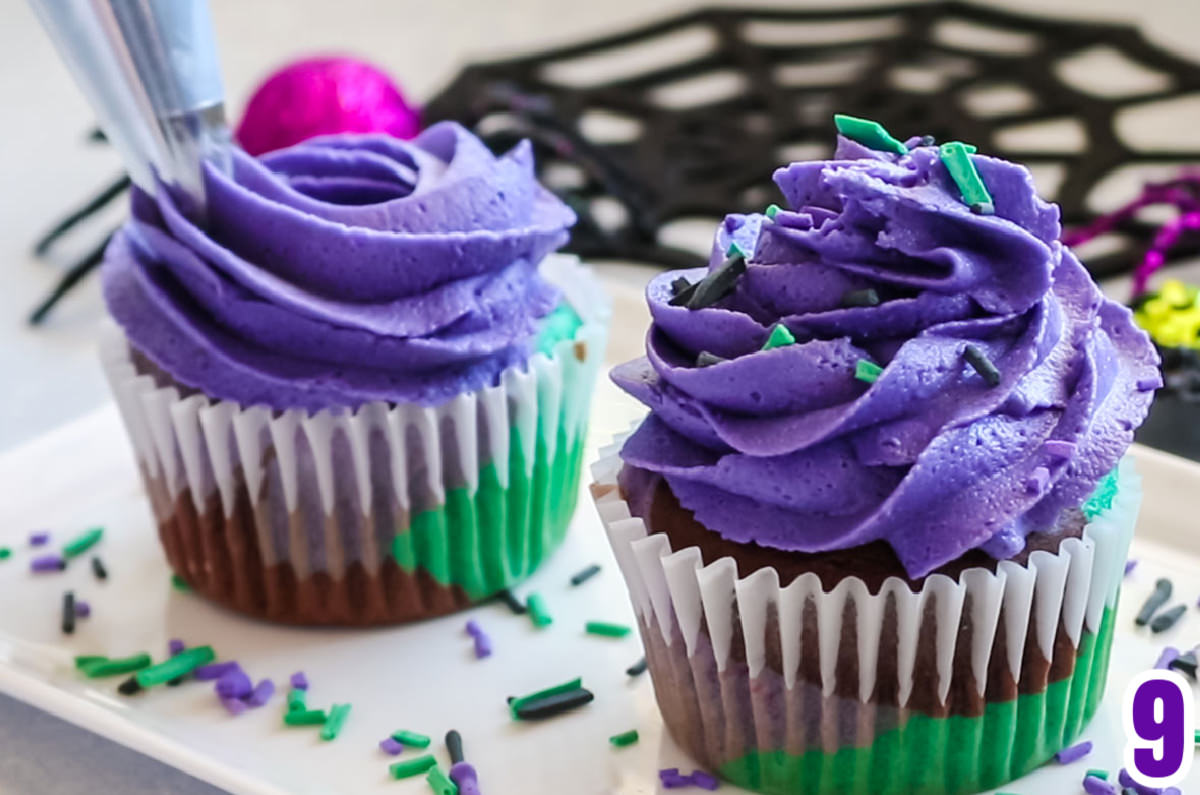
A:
(953, 755)
(496, 537)
(561, 324)
(1102, 498)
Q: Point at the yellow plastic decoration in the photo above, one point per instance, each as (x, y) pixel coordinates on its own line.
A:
(1172, 317)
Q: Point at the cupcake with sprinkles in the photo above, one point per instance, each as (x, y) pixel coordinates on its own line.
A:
(875, 523)
(359, 392)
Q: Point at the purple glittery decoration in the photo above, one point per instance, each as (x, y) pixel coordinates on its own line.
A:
(215, 670)
(483, 646)
(262, 693)
(1179, 193)
(299, 681)
(1073, 754)
(704, 780)
(1168, 656)
(51, 562)
(1130, 565)
(82, 609)
(234, 684)
(39, 538)
(473, 628)
(235, 706)
(176, 646)
(1094, 785)
(391, 746)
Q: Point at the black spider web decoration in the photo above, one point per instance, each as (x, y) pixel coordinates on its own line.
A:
(775, 78)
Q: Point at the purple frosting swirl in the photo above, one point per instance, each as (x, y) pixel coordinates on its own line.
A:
(343, 270)
(786, 448)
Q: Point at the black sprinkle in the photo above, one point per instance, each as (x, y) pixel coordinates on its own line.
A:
(1164, 621)
(638, 668)
(681, 291)
(511, 601)
(983, 208)
(1186, 664)
(867, 297)
(129, 686)
(98, 569)
(583, 576)
(1162, 592)
(706, 359)
(717, 284)
(62, 564)
(982, 364)
(68, 613)
(553, 705)
(454, 746)
(927, 140)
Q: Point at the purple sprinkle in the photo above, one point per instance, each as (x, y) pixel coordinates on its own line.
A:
(215, 670)
(234, 684)
(82, 609)
(1169, 655)
(38, 538)
(1073, 754)
(671, 779)
(473, 628)
(1094, 785)
(1037, 480)
(704, 780)
(51, 562)
(262, 693)
(483, 647)
(1127, 781)
(175, 646)
(299, 681)
(1059, 448)
(235, 706)
(1148, 384)
(1130, 565)
(391, 746)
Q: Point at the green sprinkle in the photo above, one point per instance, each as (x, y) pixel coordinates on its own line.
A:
(305, 717)
(414, 739)
(772, 211)
(179, 583)
(1197, 736)
(867, 371)
(624, 738)
(868, 133)
(1095, 773)
(181, 664)
(106, 667)
(412, 767)
(5, 553)
(297, 700)
(734, 251)
(440, 783)
(85, 660)
(516, 703)
(337, 719)
(957, 160)
(82, 542)
(537, 610)
(607, 629)
(778, 337)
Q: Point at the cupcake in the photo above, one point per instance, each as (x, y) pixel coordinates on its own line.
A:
(875, 522)
(359, 394)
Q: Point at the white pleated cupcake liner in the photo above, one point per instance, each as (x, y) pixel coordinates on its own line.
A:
(305, 471)
(673, 590)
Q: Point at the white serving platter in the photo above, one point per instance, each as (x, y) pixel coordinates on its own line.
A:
(422, 677)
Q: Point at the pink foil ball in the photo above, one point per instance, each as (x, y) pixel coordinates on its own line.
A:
(320, 96)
